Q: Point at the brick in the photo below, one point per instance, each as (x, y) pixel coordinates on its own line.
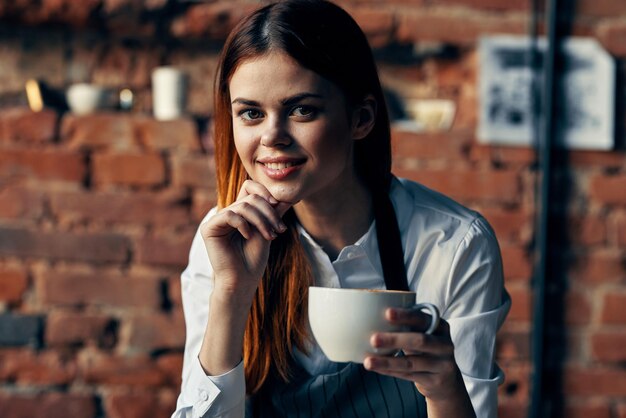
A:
(497, 186)
(121, 207)
(513, 345)
(516, 387)
(47, 405)
(621, 231)
(128, 169)
(517, 262)
(513, 409)
(608, 189)
(503, 156)
(603, 159)
(428, 146)
(174, 291)
(172, 366)
(509, 225)
(608, 346)
(494, 5)
(587, 230)
(98, 289)
(612, 35)
(378, 24)
(214, 20)
(193, 171)
(27, 367)
(110, 131)
(60, 245)
(21, 203)
(602, 266)
(597, 381)
(24, 125)
(577, 308)
(172, 250)
(587, 409)
(139, 405)
(205, 199)
(614, 307)
(134, 370)
(18, 329)
(51, 164)
(521, 304)
(180, 134)
(455, 28)
(63, 328)
(600, 8)
(149, 332)
(13, 284)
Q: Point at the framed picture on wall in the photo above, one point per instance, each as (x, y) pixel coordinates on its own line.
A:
(585, 103)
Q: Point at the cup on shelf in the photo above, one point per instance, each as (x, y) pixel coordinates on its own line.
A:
(169, 86)
(85, 98)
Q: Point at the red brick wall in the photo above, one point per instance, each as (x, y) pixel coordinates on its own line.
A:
(97, 212)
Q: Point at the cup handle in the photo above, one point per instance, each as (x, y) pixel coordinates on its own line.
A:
(434, 315)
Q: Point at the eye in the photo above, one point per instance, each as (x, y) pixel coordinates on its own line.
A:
(250, 114)
(304, 111)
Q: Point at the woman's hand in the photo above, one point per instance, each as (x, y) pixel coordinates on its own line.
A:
(238, 237)
(428, 361)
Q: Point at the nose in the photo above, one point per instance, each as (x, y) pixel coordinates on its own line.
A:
(275, 134)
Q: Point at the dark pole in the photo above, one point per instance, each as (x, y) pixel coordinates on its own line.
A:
(547, 132)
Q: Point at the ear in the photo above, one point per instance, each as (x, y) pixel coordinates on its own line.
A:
(364, 117)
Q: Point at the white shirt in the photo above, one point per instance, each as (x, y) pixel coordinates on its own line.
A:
(452, 260)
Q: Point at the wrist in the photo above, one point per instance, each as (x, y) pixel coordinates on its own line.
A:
(455, 402)
(227, 293)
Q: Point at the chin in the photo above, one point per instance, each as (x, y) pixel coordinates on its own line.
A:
(284, 194)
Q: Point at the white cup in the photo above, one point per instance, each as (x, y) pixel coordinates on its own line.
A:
(343, 320)
(84, 98)
(168, 93)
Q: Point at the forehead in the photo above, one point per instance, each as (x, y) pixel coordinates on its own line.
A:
(276, 75)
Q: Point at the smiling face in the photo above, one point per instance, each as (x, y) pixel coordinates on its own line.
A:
(292, 129)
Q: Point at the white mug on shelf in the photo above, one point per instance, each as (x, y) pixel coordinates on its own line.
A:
(168, 93)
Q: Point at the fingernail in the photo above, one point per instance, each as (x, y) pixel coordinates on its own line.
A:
(273, 234)
(282, 227)
(272, 200)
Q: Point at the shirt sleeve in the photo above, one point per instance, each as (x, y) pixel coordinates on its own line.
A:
(478, 305)
(201, 395)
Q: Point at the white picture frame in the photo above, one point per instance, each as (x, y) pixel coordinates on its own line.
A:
(586, 113)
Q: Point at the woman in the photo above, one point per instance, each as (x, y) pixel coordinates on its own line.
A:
(305, 196)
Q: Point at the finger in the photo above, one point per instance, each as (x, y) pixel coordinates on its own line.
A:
(416, 319)
(270, 212)
(223, 223)
(413, 342)
(250, 187)
(254, 216)
(407, 365)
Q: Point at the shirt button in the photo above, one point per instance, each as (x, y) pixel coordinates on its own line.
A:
(204, 396)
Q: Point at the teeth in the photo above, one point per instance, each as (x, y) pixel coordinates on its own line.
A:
(278, 166)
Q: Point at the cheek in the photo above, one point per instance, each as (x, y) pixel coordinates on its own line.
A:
(243, 144)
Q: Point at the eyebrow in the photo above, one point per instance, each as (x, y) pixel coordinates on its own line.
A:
(285, 102)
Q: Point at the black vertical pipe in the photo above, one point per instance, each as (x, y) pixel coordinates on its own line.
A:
(547, 132)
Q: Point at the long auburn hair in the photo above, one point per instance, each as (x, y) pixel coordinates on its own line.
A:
(323, 38)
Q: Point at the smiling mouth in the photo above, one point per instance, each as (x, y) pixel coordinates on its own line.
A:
(279, 166)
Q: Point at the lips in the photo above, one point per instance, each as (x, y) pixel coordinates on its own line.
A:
(279, 168)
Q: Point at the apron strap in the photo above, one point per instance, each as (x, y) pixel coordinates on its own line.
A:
(389, 242)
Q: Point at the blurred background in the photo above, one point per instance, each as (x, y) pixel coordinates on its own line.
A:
(101, 193)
